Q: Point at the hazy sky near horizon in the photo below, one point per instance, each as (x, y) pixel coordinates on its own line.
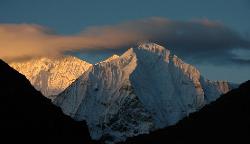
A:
(214, 35)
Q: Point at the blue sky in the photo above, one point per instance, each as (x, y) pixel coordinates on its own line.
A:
(69, 17)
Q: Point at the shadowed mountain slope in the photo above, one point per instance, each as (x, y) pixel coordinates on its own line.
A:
(29, 117)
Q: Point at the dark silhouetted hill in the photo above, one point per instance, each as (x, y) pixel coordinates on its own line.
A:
(28, 117)
(225, 120)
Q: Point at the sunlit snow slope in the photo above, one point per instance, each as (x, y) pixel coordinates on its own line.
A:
(52, 75)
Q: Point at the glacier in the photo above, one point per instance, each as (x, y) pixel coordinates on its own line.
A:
(144, 89)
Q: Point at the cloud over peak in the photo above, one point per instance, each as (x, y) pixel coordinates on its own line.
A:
(198, 40)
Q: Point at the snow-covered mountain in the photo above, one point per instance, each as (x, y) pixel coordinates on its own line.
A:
(52, 75)
(144, 89)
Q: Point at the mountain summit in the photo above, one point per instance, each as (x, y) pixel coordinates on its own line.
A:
(145, 89)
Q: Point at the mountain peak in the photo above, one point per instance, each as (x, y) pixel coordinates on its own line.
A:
(142, 90)
(151, 46)
(52, 75)
(153, 49)
(113, 57)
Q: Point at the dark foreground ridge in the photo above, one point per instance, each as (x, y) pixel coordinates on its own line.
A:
(28, 117)
(225, 120)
